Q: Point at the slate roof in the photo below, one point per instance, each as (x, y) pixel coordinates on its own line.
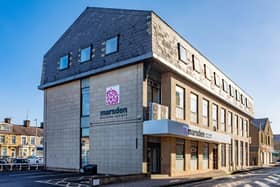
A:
(260, 123)
(276, 137)
(21, 130)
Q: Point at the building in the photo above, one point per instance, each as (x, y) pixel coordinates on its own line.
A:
(139, 98)
(261, 147)
(20, 141)
(276, 143)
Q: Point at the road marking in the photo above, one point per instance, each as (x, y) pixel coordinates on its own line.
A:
(261, 184)
(270, 180)
(274, 178)
(247, 185)
(26, 174)
(50, 175)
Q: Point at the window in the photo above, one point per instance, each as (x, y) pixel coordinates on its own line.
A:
(182, 53)
(64, 62)
(194, 155)
(246, 102)
(112, 45)
(235, 122)
(217, 79)
(194, 108)
(229, 122)
(32, 140)
(13, 140)
(236, 152)
(230, 154)
(241, 153)
(237, 94)
(242, 99)
(85, 102)
(180, 154)
(223, 155)
(85, 54)
(231, 91)
(241, 126)
(85, 132)
(154, 91)
(207, 72)
(205, 156)
(245, 128)
(23, 140)
(2, 139)
(225, 86)
(205, 112)
(215, 117)
(196, 66)
(180, 102)
(223, 119)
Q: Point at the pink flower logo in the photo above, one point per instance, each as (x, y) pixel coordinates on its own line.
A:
(112, 96)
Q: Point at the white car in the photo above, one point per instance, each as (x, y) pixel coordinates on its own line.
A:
(35, 160)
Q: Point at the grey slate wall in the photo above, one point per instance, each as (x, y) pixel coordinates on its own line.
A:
(94, 27)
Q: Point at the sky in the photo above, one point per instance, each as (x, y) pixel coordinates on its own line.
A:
(241, 37)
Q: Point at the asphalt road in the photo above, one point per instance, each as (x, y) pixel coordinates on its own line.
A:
(38, 179)
(268, 177)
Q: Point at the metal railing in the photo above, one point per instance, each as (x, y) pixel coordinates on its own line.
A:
(20, 166)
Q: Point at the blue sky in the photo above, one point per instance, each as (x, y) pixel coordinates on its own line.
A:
(241, 37)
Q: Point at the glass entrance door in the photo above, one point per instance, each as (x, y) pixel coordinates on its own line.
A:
(153, 157)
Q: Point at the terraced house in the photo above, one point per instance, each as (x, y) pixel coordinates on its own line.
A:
(125, 91)
(20, 141)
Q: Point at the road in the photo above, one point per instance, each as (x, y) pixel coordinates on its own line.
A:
(39, 179)
(268, 177)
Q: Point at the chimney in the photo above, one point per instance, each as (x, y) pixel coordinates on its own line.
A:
(42, 125)
(26, 123)
(8, 120)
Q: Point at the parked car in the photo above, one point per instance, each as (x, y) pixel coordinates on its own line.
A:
(20, 161)
(3, 161)
(277, 162)
(36, 160)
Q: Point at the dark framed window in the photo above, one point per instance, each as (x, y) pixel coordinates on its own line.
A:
(205, 112)
(64, 62)
(194, 108)
(217, 79)
(225, 86)
(207, 72)
(215, 117)
(85, 54)
(180, 102)
(112, 45)
(223, 119)
(231, 91)
(182, 53)
(196, 64)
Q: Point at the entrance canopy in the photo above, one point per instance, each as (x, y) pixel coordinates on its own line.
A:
(169, 127)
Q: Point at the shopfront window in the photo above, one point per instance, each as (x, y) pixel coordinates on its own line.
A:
(194, 155)
(241, 153)
(180, 102)
(215, 117)
(180, 154)
(236, 152)
(194, 108)
(230, 154)
(205, 161)
(205, 112)
(223, 155)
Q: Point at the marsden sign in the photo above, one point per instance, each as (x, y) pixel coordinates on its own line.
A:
(118, 112)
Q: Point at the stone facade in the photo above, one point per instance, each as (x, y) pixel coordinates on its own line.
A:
(116, 142)
(261, 148)
(62, 126)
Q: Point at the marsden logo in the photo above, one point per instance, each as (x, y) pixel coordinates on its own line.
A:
(113, 95)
